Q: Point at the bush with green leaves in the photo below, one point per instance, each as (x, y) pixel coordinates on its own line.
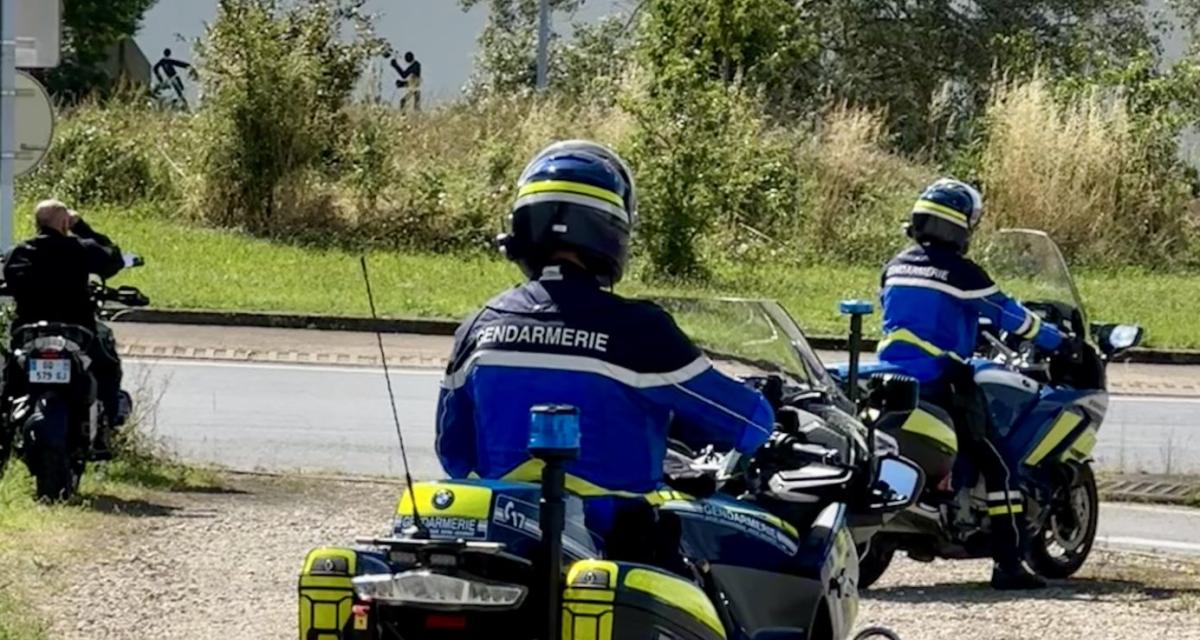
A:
(276, 83)
(106, 153)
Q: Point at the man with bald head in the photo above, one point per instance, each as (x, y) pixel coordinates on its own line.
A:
(48, 277)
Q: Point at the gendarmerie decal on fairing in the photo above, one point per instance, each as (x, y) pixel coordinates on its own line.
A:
(744, 521)
(447, 526)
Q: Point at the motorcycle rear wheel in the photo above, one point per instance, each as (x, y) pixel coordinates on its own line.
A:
(1059, 550)
(56, 475)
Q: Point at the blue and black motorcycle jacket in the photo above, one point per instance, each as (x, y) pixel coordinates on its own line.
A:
(632, 373)
(933, 298)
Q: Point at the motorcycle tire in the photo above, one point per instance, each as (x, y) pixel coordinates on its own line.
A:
(55, 474)
(877, 633)
(1080, 532)
(874, 562)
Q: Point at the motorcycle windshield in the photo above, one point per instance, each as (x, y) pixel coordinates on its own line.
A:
(1029, 266)
(749, 338)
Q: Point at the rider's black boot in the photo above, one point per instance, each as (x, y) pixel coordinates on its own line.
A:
(1015, 578)
(102, 446)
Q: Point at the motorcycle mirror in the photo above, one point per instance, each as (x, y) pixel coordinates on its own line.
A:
(1115, 338)
(898, 484)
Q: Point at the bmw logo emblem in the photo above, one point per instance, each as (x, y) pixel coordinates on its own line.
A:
(443, 499)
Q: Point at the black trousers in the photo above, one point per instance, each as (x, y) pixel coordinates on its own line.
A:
(106, 369)
(965, 401)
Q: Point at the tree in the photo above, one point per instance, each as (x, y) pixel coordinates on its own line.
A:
(900, 55)
(586, 65)
(90, 29)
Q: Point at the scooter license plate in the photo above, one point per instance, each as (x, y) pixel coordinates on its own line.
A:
(43, 371)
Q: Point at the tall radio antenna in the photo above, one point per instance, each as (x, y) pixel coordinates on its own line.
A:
(419, 528)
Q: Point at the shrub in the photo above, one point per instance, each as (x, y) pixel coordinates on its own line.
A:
(105, 154)
(275, 85)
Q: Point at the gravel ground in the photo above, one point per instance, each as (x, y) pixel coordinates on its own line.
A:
(223, 565)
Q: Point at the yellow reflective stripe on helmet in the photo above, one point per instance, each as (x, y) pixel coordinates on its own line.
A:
(933, 208)
(563, 186)
(677, 593)
(908, 337)
(1005, 509)
(926, 424)
(1065, 424)
(531, 471)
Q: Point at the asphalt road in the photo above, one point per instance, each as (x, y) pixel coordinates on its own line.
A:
(281, 417)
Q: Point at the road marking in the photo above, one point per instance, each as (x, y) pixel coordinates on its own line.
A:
(1154, 399)
(1161, 510)
(1148, 543)
(225, 364)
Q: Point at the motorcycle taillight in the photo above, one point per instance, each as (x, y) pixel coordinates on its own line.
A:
(49, 354)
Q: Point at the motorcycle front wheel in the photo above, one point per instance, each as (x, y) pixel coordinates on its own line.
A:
(1061, 547)
(873, 561)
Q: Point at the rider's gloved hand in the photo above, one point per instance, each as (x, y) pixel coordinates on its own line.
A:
(1070, 350)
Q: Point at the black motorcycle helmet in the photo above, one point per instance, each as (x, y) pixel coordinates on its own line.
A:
(947, 213)
(574, 195)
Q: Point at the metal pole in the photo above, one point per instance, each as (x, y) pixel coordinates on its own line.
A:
(553, 521)
(8, 90)
(855, 351)
(543, 45)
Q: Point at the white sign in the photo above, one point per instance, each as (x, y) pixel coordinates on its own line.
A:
(38, 31)
(34, 118)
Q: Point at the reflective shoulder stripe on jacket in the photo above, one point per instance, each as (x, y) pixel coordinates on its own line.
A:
(581, 364)
(925, 283)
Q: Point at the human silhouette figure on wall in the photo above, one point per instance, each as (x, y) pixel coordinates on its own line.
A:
(410, 80)
(166, 75)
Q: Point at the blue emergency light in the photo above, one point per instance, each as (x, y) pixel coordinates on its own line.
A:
(554, 431)
(856, 307)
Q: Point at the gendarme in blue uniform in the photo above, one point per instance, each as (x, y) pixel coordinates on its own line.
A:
(635, 377)
(933, 298)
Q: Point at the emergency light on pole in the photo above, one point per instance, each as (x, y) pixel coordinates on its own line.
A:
(543, 44)
(553, 439)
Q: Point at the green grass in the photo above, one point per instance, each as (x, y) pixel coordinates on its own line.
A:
(15, 621)
(200, 268)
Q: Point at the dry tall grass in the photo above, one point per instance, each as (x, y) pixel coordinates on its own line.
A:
(858, 191)
(1079, 170)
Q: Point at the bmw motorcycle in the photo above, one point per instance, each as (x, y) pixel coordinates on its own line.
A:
(1045, 410)
(760, 548)
(50, 416)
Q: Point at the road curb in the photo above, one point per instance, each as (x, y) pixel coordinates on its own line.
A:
(441, 327)
(418, 326)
